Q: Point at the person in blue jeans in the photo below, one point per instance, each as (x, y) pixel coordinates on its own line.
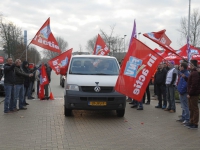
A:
(182, 89)
(171, 82)
(20, 76)
(9, 81)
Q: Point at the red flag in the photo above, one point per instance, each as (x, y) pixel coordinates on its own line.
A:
(162, 54)
(100, 47)
(193, 50)
(161, 39)
(138, 67)
(45, 39)
(60, 63)
(44, 79)
(41, 92)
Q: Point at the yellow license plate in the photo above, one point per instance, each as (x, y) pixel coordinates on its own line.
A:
(93, 103)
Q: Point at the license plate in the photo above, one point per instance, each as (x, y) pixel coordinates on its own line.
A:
(94, 103)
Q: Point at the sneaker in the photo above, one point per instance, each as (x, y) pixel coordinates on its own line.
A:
(158, 106)
(185, 122)
(140, 108)
(147, 103)
(180, 120)
(188, 124)
(163, 107)
(193, 127)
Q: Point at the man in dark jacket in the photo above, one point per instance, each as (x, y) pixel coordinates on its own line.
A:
(9, 81)
(193, 90)
(182, 89)
(31, 83)
(19, 84)
(26, 81)
(159, 80)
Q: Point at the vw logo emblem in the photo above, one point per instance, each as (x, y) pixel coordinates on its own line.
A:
(97, 89)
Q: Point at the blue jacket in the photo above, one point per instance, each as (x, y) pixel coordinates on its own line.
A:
(182, 85)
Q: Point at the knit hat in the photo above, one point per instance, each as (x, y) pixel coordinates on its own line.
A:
(194, 62)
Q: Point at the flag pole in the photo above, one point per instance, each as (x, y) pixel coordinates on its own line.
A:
(189, 19)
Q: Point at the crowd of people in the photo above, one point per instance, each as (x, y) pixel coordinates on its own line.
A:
(169, 78)
(19, 79)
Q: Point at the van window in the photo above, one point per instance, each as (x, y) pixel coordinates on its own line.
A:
(94, 66)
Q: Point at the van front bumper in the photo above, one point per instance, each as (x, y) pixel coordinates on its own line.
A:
(86, 100)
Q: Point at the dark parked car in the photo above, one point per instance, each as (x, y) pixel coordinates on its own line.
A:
(2, 92)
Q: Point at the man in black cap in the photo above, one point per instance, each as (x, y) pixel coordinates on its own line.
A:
(193, 91)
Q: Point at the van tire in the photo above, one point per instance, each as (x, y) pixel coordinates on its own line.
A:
(120, 113)
(68, 112)
(62, 84)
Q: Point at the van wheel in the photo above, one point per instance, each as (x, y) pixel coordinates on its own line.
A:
(68, 112)
(63, 84)
(120, 113)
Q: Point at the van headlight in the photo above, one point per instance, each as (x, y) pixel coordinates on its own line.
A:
(72, 87)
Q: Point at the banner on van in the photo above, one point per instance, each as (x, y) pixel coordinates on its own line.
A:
(137, 69)
(60, 63)
(45, 39)
(100, 47)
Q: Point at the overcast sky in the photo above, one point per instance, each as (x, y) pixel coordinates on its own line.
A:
(77, 21)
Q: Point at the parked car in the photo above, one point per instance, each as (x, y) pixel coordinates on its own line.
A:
(62, 80)
(90, 83)
(2, 91)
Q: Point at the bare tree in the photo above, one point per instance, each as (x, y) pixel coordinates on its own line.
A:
(108, 38)
(91, 44)
(62, 45)
(194, 28)
(11, 37)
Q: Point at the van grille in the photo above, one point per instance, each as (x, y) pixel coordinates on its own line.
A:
(104, 89)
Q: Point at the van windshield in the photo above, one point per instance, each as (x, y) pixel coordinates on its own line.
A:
(94, 66)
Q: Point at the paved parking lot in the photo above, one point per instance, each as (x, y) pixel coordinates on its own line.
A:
(43, 126)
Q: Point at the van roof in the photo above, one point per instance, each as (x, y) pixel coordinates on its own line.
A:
(93, 56)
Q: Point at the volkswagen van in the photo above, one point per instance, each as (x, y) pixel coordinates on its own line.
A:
(89, 85)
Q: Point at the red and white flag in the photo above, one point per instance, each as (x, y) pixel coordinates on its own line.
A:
(45, 39)
(137, 69)
(100, 47)
(43, 78)
(60, 63)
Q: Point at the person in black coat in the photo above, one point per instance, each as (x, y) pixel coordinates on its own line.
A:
(9, 81)
(25, 68)
(20, 77)
(159, 80)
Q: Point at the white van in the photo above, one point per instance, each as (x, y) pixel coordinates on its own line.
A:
(90, 83)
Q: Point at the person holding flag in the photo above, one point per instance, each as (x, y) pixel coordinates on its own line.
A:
(20, 76)
(44, 80)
